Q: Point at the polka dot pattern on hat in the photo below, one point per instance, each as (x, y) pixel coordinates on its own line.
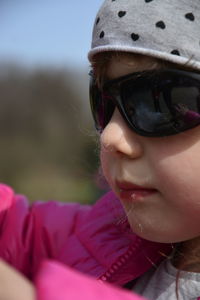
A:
(160, 24)
(135, 36)
(190, 16)
(175, 52)
(121, 13)
(101, 34)
(97, 21)
(167, 29)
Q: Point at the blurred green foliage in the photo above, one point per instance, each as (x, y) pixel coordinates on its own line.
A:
(48, 148)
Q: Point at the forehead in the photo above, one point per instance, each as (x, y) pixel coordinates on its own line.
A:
(125, 64)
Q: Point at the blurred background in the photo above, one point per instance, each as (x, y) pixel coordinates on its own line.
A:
(48, 147)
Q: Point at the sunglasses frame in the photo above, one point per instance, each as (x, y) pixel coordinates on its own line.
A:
(114, 85)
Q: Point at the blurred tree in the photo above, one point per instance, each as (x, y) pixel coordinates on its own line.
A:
(48, 149)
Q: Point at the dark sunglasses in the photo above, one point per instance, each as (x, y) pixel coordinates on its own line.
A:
(153, 103)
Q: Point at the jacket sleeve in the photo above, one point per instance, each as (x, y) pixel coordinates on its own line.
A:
(30, 234)
(58, 282)
(38, 240)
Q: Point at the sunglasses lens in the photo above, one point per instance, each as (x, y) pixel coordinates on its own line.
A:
(152, 103)
(161, 106)
(102, 107)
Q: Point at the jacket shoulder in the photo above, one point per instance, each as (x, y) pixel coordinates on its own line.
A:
(49, 230)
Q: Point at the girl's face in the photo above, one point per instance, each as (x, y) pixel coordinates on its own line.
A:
(156, 179)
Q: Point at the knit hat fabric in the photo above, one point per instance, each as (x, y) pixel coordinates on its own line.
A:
(165, 29)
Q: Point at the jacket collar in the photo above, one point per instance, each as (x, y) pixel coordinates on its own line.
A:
(116, 254)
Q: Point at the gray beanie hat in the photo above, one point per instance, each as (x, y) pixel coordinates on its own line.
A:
(165, 29)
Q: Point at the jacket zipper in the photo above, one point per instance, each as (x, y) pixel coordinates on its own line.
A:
(122, 260)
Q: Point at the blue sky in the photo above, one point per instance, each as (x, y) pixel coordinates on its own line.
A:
(44, 32)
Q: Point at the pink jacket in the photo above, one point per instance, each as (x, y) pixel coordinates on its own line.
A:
(48, 239)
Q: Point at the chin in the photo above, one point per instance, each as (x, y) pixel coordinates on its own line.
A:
(154, 234)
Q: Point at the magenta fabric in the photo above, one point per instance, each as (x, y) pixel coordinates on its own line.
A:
(75, 286)
(47, 240)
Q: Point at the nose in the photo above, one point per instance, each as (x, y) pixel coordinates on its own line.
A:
(118, 138)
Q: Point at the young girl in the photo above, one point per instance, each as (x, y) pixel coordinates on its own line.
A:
(145, 234)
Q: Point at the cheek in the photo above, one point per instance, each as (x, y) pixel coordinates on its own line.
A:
(108, 166)
(176, 159)
(104, 158)
(178, 175)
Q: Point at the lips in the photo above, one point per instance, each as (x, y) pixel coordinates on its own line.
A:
(132, 192)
